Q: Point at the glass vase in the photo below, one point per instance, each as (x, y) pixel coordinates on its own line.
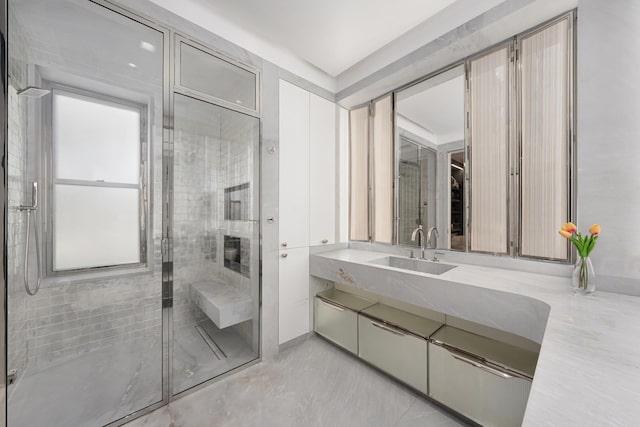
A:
(584, 277)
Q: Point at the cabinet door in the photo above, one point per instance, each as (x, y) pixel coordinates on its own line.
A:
(488, 398)
(322, 171)
(337, 324)
(293, 294)
(294, 166)
(401, 355)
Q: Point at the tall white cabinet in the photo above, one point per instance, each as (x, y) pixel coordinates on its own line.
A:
(322, 171)
(294, 166)
(307, 198)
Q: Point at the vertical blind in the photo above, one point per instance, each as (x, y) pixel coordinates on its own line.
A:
(544, 86)
(359, 174)
(383, 170)
(489, 96)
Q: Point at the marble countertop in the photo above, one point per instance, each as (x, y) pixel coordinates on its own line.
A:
(588, 372)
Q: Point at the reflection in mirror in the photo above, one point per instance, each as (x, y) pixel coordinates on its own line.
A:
(416, 189)
(430, 131)
(456, 200)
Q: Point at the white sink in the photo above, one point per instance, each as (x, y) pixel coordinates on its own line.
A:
(412, 264)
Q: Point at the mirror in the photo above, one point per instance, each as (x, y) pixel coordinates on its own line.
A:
(430, 161)
(416, 188)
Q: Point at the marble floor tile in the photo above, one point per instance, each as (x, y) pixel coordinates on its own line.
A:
(311, 384)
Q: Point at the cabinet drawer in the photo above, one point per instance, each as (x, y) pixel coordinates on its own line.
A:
(484, 394)
(337, 324)
(394, 351)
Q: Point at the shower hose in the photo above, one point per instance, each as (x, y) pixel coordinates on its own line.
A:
(26, 254)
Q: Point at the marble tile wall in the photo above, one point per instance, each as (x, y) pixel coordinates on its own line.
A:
(69, 316)
(196, 197)
(238, 134)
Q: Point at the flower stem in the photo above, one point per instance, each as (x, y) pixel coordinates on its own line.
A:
(584, 274)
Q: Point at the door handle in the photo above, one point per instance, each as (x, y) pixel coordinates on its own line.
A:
(327, 303)
(478, 364)
(387, 328)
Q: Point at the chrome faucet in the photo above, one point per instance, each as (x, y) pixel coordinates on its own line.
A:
(419, 231)
(432, 230)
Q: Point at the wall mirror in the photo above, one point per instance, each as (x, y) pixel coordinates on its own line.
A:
(430, 161)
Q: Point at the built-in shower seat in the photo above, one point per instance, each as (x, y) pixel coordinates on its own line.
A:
(224, 304)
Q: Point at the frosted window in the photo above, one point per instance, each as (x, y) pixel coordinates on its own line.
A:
(213, 76)
(95, 226)
(95, 140)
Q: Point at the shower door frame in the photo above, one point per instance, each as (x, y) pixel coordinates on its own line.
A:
(170, 36)
(176, 38)
(168, 88)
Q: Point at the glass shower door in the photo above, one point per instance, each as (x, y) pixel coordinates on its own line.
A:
(215, 241)
(85, 125)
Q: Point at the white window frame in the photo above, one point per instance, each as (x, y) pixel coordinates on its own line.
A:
(49, 175)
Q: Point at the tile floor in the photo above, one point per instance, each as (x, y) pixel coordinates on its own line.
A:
(311, 384)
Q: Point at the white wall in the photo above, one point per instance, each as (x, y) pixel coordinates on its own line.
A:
(608, 134)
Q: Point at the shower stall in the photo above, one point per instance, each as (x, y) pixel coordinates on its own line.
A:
(133, 249)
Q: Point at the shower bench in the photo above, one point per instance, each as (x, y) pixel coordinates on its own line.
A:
(224, 304)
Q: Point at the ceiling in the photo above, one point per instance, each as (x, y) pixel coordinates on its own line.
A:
(333, 35)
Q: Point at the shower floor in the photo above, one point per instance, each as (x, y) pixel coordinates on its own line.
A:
(195, 362)
(93, 389)
(105, 385)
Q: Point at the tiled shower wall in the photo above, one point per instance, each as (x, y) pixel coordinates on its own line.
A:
(209, 157)
(236, 167)
(196, 194)
(71, 317)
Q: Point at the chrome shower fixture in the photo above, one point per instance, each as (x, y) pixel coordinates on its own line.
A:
(29, 210)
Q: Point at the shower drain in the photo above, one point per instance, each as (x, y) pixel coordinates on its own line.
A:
(217, 351)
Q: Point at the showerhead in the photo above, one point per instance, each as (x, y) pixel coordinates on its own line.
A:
(33, 92)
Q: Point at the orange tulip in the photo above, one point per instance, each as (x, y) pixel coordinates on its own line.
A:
(595, 229)
(569, 227)
(564, 233)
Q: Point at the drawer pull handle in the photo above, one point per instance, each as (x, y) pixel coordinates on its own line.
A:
(327, 303)
(480, 365)
(324, 241)
(387, 328)
(283, 255)
(284, 244)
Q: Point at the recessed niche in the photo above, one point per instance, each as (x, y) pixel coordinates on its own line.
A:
(236, 254)
(236, 202)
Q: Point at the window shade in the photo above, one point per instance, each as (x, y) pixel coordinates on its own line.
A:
(359, 174)
(383, 170)
(489, 95)
(544, 90)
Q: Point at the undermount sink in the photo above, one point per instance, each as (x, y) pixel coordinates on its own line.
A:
(413, 264)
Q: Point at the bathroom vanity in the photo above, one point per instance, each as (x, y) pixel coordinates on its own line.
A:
(587, 372)
(484, 379)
